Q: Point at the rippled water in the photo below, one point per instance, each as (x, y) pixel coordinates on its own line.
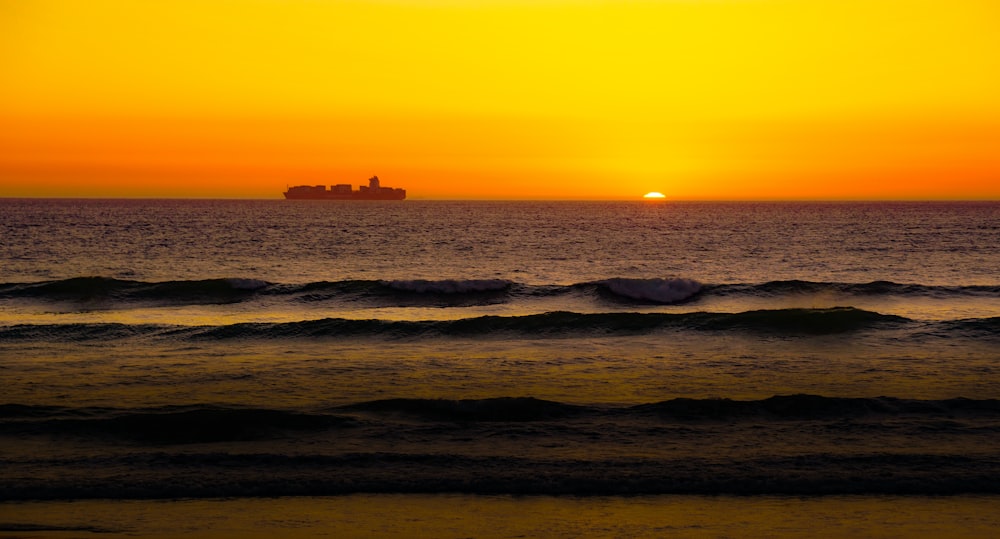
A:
(163, 349)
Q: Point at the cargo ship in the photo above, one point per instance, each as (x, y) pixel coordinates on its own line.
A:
(345, 191)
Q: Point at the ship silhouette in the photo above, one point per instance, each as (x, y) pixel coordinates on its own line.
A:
(345, 191)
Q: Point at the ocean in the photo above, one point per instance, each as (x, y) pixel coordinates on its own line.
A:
(587, 362)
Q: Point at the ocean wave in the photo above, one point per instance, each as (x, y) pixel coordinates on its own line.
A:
(977, 326)
(206, 423)
(450, 286)
(103, 289)
(812, 407)
(165, 425)
(778, 408)
(791, 322)
(653, 290)
(874, 288)
(81, 332)
(453, 292)
(224, 474)
(495, 409)
(505, 445)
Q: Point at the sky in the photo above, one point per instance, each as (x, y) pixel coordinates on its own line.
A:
(502, 99)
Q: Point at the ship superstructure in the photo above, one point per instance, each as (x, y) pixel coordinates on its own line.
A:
(345, 191)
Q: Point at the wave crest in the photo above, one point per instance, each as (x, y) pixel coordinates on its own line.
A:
(873, 288)
(815, 407)
(208, 423)
(104, 289)
(109, 292)
(450, 286)
(653, 290)
(792, 322)
(496, 409)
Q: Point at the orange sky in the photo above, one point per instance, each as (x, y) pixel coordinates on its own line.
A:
(698, 99)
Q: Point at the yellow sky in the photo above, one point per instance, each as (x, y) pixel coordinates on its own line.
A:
(698, 99)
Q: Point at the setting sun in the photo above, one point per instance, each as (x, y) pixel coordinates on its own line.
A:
(654, 194)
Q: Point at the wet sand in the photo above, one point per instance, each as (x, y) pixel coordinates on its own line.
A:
(457, 516)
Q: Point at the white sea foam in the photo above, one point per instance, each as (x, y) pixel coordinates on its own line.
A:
(658, 290)
(450, 286)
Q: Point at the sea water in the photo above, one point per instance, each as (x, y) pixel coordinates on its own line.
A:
(168, 349)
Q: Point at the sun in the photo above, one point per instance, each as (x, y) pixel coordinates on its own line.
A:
(654, 194)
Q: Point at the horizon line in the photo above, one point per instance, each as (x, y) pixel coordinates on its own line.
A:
(637, 198)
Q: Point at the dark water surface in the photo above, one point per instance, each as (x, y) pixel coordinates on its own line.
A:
(203, 349)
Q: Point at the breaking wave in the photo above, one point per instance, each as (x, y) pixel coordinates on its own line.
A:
(653, 290)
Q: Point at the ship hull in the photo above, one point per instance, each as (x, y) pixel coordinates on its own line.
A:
(338, 196)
